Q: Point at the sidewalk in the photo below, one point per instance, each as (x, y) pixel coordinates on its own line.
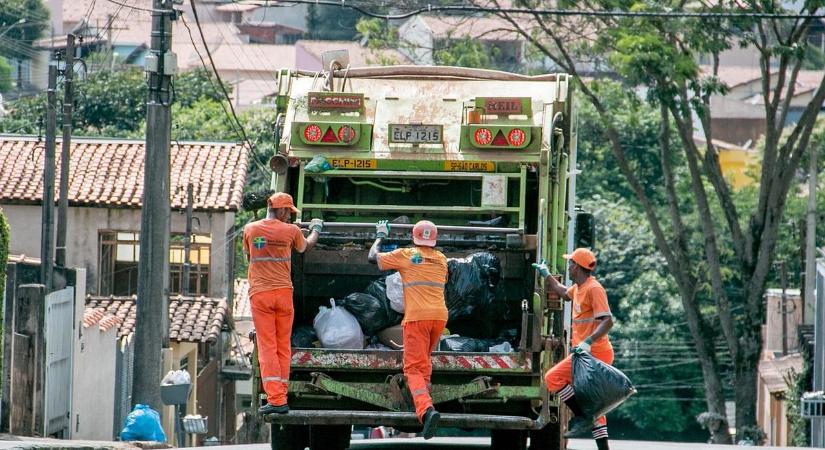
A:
(8, 441)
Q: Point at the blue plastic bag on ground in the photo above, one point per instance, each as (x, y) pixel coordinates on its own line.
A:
(142, 424)
(599, 387)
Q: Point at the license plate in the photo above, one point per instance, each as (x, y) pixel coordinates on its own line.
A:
(349, 163)
(416, 134)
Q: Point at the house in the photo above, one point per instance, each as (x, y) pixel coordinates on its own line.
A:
(781, 362)
(775, 375)
(308, 54)
(423, 35)
(740, 166)
(266, 24)
(105, 190)
(195, 334)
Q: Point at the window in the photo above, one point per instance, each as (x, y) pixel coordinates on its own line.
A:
(120, 252)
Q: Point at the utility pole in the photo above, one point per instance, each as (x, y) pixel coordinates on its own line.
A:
(63, 201)
(47, 212)
(187, 240)
(152, 316)
(810, 242)
(783, 308)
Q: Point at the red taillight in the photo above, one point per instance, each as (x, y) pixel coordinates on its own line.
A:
(499, 140)
(483, 136)
(329, 136)
(346, 134)
(312, 133)
(516, 137)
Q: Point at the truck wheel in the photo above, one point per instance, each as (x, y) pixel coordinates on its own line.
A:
(548, 438)
(289, 437)
(329, 437)
(508, 439)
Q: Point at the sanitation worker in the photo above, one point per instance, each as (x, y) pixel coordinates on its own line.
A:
(268, 246)
(423, 272)
(591, 322)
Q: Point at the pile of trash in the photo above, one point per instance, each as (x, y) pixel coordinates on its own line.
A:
(371, 319)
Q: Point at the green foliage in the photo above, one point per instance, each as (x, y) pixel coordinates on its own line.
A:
(5, 75)
(203, 120)
(4, 254)
(17, 36)
(465, 53)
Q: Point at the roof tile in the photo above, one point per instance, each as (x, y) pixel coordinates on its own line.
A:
(110, 172)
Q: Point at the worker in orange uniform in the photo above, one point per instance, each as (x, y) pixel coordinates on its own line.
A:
(423, 272)
(268, 245)
(591, 322)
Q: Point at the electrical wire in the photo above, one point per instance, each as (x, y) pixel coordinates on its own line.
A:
(138, 8)
(550, 12)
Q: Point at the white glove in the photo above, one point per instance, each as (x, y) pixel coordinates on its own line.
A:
(316, 225)
(382, 229)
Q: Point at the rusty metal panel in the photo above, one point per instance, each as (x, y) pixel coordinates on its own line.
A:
(393, 361)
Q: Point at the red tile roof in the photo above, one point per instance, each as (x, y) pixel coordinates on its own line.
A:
(109, 172)
(241, 306)
(191, 319)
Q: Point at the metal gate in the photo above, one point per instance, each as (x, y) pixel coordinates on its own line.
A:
(59, 321)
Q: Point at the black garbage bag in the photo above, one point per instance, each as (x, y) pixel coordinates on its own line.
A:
(372, 314)
(599, 387)
(303, 336)
(466, 344)
(471, 284)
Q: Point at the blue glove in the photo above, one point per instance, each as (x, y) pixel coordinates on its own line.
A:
(584, 346)
(382, 229)
(316, 225)
(542, 268)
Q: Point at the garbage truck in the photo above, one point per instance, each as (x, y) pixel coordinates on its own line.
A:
(490, 158)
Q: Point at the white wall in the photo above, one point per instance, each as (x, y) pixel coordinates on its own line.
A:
(417, 41)
(83, 241)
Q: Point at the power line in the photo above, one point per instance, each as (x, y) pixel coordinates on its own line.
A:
(234, 118)
(551, 12)
(133, 7)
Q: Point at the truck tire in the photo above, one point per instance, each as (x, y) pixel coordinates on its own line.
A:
(508, 439)
(329, 437)
(289, 437)
(548, 438)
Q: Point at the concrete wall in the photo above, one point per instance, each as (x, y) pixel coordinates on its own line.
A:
(85, 223)
(93, 396)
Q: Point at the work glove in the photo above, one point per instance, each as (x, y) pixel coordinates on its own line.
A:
(584, 346)
(316, 225)
(382, 229)
(542, 268)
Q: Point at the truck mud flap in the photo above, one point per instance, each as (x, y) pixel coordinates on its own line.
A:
(393, 361)
(403, 419)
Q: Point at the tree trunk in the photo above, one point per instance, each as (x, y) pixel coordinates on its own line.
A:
(746, 368)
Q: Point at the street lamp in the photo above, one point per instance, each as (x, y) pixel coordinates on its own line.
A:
(19, 22)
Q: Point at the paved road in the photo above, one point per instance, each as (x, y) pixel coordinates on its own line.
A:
(480, 443)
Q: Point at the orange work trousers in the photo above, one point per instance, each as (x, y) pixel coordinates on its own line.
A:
(561, 374)
(272, 314)
(420, 338)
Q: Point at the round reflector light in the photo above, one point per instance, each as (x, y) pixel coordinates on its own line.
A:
(312, 133)
(483, 136)
(516, 137)
(346, 133)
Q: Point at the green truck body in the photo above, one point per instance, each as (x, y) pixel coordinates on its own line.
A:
(458, 147)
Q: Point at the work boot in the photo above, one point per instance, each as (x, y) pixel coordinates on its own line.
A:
(578, 427)
(273, 409)
(431, 418)
(601, 444)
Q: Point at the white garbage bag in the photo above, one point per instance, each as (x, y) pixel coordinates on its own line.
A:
(395, 292)
(337, 328)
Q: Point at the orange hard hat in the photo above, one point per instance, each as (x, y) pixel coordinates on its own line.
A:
(425, 233)
(282, 200)
(583, 257)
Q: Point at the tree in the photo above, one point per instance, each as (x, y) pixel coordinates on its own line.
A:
(332, 22)
(661, 55)
(5, 75)
(21, 23)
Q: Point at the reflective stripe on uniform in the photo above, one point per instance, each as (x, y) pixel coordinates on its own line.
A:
(269, 259)
(418, 392)
(588, 320)
(424, 283)
(265, 379)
